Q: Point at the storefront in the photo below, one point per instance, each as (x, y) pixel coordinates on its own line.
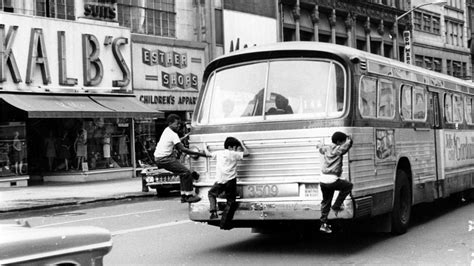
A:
(167, 78)
(67, 108)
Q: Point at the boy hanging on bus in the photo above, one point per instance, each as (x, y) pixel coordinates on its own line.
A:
(330, 179)
(226, 173)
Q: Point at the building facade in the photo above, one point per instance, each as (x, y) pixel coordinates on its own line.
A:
(67, 108)
(431, 35)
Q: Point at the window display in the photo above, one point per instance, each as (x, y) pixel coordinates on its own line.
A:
(13, 155)
(145, 141)
(80, 144)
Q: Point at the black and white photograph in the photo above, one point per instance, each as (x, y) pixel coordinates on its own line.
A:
(236, 132)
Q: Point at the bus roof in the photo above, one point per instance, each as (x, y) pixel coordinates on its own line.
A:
(276, 50)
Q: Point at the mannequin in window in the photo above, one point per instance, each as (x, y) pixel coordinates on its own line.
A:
(106, 149)
(50, 149)
(64, 150)
(80, 147)
(17, 154)
(123, 148)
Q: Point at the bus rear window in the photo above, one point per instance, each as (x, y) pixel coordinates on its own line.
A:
(280, 89)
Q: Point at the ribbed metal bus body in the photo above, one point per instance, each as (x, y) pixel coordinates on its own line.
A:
(279, 181)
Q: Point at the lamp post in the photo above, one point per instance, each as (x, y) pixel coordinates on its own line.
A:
(407, 33)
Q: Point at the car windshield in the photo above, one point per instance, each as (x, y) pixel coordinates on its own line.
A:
(274, 90)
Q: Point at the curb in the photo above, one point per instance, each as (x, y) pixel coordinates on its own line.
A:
(75, 202)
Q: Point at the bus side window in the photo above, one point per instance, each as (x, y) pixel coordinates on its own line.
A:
(367, 104)
(457, 108)
(386, 99)
(419, 107)
(448, 108)
(469, 110)
(406, 102)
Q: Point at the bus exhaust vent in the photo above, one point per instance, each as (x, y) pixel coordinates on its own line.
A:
(363, 207)
(363, 65)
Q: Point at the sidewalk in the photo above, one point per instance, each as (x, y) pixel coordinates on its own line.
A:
(52, 194)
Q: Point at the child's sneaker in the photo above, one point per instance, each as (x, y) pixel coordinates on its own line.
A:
(325, 228)
(214, 215)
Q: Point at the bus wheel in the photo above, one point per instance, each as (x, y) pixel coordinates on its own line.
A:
(402, 204)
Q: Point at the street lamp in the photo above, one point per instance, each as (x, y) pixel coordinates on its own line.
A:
(407, 34)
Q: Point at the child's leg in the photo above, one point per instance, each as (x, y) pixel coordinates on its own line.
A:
(228, 214)
(212, 195)
(344, 188)
(328, 193)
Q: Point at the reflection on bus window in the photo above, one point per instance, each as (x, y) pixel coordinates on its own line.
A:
(295, 88)
(419, 108)
(292, 88)
(469, 110)
(367, 96)
(458, 109)
(448, 108)
(386, 100)
(406, 102)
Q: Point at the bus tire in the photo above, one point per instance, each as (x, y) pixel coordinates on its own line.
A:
(401, 211)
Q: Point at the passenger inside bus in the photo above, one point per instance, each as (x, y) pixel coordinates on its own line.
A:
(281, 106)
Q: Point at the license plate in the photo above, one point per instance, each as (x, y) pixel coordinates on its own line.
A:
(269, 190)
(167, 179)
(311, 190)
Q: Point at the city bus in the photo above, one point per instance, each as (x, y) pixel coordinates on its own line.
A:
(412, 128)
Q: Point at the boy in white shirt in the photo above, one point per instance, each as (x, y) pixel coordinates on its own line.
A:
(165, 158)
(226, 173)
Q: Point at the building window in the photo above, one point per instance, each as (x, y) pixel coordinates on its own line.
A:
(430, 63)
(426, 22)
(61, 9)
(154, 17)
(6, 5)
(454, 33)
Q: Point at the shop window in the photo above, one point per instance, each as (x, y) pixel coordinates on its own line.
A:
(157, 17)
(145, 141)
(61, 9)
(60, 145)
(13, 149)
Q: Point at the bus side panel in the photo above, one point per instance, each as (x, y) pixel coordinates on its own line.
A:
(456, 157)
(418, 145)
(370, 180)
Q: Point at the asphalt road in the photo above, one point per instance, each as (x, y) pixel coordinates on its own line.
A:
(158, 231)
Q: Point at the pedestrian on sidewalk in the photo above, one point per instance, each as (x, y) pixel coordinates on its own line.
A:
(331, 177)
(226, 173)
(166, 158)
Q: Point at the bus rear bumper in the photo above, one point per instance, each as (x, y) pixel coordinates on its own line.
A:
(272, 211)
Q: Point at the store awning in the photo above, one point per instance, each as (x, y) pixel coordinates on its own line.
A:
(126, 106)
(77, 106)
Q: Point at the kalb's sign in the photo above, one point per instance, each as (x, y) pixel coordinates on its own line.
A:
(54, 53)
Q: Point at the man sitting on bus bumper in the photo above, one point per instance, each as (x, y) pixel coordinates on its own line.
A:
(166, 158)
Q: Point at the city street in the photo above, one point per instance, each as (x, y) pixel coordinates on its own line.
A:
(158, 231)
